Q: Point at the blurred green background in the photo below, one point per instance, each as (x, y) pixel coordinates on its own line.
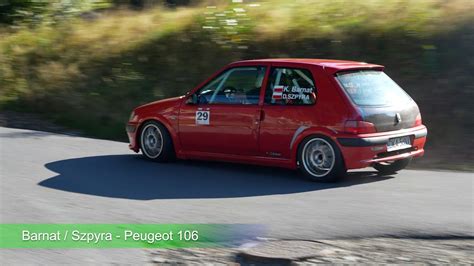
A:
(86, 64)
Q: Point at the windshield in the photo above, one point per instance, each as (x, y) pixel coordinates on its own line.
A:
(372, 88)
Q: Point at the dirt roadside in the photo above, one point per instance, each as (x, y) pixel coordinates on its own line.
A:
(33, 122)
(347, 251)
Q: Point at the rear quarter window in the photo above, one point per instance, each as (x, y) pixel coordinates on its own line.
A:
(290, 86)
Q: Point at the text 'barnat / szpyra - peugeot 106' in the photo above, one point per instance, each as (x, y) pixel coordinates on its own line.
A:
(322, 116)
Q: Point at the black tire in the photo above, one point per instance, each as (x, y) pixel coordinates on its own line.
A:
(161, 134)
(393, 167)
(308, 164)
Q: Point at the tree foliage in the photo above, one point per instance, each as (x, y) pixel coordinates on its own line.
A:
(36, 11)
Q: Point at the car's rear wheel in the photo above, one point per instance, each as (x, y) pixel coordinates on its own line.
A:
(155, 142)
(392, 167)
(320, 159)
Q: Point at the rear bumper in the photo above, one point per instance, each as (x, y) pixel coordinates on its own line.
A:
(380, 140)
(397, 156)
(364, 150)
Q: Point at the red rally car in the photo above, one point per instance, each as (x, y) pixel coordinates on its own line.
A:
(322, 116)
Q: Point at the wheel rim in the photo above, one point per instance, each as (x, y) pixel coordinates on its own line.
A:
(152, 141)
(318, 157)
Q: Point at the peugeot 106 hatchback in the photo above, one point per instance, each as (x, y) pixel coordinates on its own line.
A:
(321, 116)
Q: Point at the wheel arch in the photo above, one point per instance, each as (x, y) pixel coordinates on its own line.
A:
(163, 122)
(309, 133)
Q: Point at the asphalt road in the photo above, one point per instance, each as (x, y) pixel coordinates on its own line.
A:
(51, 178)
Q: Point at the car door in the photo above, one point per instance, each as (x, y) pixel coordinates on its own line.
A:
(224, 116)
(289, 97)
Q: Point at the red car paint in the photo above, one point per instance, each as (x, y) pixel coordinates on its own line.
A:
(267, 134)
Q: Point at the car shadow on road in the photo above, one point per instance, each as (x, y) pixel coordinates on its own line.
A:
(132, 177)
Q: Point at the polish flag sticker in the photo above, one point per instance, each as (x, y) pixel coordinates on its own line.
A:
(277, 92)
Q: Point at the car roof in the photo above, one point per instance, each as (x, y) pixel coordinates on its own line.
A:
(331, 65)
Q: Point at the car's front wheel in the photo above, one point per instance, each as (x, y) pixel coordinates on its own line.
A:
(392, 167)
(320, 159)
(155, 142)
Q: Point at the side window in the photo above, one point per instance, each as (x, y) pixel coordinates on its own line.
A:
(290, 86)
(240, 85)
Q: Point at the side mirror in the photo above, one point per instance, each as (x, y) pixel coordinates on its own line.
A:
(192, 100)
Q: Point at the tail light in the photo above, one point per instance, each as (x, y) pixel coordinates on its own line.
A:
(418, 121)
(359, 127)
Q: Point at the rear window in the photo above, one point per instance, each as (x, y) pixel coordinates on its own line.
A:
(371, 88)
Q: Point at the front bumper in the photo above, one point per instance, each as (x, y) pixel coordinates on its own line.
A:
(131, 129)
(364, 150)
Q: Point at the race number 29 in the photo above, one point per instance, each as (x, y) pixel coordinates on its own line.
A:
(202, 117)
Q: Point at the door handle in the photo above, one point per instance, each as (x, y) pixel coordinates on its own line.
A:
(261, 115)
